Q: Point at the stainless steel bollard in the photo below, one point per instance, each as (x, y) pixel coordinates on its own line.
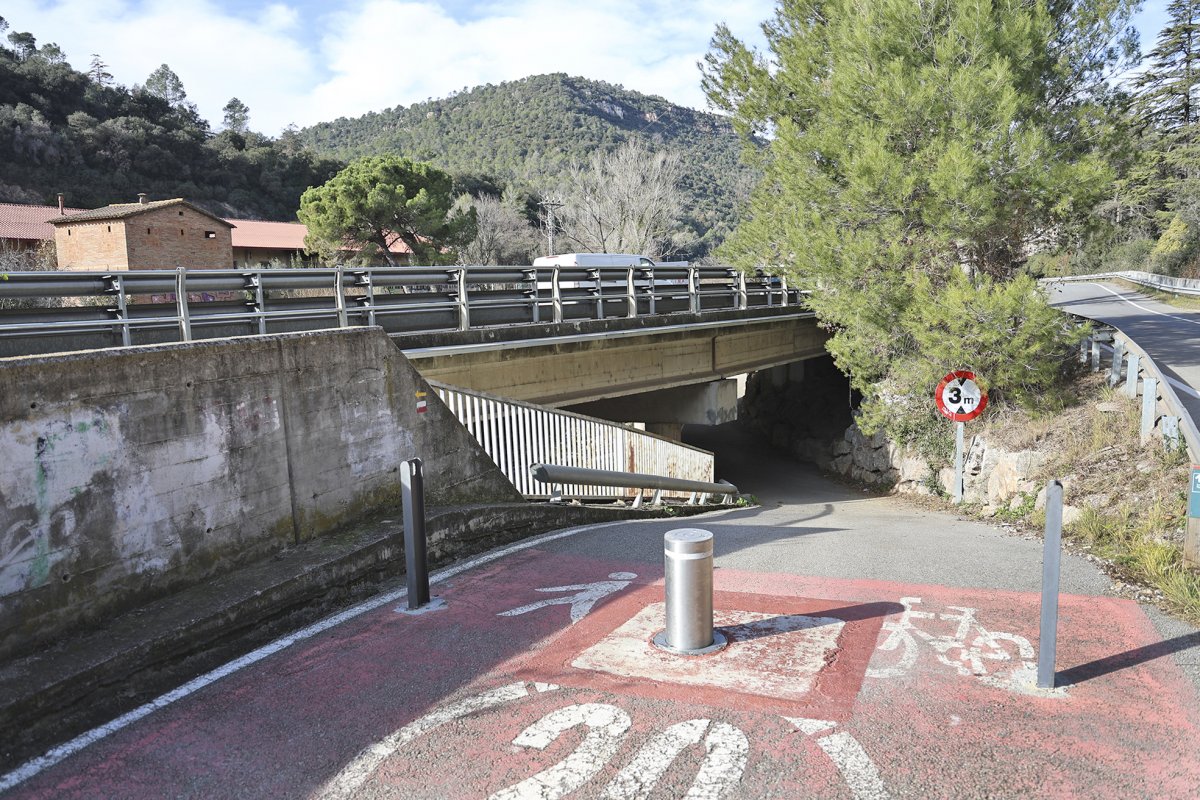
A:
(688, 565)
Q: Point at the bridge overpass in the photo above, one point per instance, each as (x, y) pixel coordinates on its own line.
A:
(185, 432)
(559, 337)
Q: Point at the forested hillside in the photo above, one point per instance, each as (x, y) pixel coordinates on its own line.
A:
(524, 135)
(63, 130)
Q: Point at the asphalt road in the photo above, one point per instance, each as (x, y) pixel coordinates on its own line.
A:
(878, 650)
(1171, 336)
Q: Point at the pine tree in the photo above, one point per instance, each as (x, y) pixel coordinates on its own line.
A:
(98, 71)
(1167, 90)
(237, 116)
(164, 83)
(913, 143)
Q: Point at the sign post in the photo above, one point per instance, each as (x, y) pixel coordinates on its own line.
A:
(960, 399)
(1191, 540)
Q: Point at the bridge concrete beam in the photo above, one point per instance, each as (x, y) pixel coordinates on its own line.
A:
(711, 403)
(581, 363)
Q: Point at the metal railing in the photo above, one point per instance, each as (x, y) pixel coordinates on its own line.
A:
(1162, 409)
(1163, 283)
(558, 474)
(152, 306)
(518, 435)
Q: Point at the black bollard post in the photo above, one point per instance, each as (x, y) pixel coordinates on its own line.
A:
(412, 489)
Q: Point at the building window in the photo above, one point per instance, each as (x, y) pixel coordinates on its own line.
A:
(181, 213)
(147, 231)
(210, 234)
(181, 231)
(110, 228)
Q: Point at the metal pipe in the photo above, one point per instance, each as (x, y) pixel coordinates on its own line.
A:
(1051, 563)
(555, 473)
(412, 491)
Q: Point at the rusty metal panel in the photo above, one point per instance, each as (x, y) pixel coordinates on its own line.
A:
(516, 434)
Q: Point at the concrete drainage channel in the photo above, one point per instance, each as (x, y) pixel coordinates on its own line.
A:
(92, 676)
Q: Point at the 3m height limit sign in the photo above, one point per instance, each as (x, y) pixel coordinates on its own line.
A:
(960, 399)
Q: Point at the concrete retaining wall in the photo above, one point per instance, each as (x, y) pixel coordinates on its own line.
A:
(126, 474)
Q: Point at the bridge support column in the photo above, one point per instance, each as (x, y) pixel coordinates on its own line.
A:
(667, 430)
(710, 403)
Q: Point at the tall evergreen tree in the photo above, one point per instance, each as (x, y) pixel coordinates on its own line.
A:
(375, 203)
(98, 71)
(164, 83)
(237, 116)
(913, 143)
(1167, 89)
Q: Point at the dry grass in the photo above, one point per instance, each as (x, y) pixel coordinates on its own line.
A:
(1131, 496)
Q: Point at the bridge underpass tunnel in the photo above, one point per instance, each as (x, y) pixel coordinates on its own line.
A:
(665, 411)
(801, 409)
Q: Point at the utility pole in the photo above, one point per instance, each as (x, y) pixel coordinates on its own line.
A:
(549, 206)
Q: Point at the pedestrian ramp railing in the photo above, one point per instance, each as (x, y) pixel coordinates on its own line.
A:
(518, 435)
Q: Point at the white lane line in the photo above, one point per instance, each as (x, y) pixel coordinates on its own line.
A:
(57, 754)
(1179, 384)
(1143, 308)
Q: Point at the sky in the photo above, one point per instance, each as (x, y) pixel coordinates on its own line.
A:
(309, 61)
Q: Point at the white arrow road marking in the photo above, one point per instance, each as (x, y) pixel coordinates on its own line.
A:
(581, 602)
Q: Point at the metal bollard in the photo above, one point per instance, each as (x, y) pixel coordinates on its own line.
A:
(412, 490)
(1095, 355)
(1149, 407)
(1051, 562)
(1118, 361)
(1131, 375)
(688, 564)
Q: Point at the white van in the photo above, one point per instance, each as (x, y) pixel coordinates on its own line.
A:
(593, 260)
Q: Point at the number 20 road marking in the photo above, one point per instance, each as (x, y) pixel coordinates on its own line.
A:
(726, 751)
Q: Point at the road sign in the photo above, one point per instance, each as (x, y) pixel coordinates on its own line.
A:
(959, 397)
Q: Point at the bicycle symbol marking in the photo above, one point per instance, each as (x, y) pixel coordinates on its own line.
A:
(970, 650)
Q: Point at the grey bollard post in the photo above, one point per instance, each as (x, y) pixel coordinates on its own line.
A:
(688, 567)
(1051, 563)
(1118, 361)
(1131, 374)
(1083, 350)
(1095, 355)
(412, 491)
(1149, 407)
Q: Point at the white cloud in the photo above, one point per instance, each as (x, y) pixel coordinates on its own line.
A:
(374, 54)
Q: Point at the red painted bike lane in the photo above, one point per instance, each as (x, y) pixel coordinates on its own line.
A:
(538, 680)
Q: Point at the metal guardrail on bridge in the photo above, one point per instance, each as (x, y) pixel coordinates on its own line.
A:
(517, 435)
(153, 306)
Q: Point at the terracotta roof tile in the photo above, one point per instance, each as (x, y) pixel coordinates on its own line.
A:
(35, 223)
(28, 222)
(124, 210)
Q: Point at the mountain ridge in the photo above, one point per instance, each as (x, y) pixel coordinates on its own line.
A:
(527, 133)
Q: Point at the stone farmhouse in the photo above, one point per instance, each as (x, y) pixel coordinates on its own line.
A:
(115, 237)
(163, 234)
